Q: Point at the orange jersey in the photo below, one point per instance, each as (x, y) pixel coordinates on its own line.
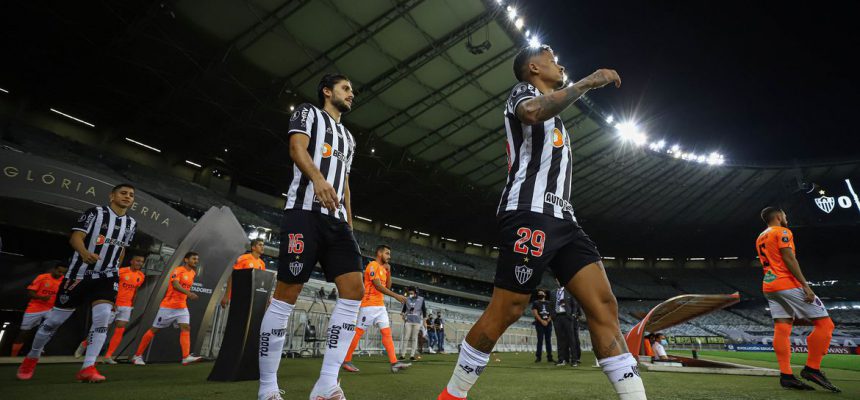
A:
(44, 285)
(373, 297)
(129, 281)
(248, 261)
(174, 298)
(776, 274)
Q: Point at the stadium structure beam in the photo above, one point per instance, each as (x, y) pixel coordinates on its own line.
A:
(328, 57)
(703, 191)
(714, 203)
(407, 67)
(670, 203)
(409, 113)
(267, 24)
(601, 200)
(744, 204)
(730, 198)
(672, 196)
(455, 125)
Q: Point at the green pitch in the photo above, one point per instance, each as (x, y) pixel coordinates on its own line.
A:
(515, 376)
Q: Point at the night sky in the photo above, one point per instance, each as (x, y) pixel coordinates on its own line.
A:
(761, 83)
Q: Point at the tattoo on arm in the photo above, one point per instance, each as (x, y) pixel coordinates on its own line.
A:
(545, 107)
(616, 346)
(484, 343)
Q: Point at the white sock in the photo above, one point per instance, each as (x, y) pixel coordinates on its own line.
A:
(341, 329)
(54, 320)
(470, 365)
(623, 372)
(272, 335)
(98, 333)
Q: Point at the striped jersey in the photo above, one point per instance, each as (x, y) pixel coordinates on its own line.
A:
(106, 235)
(539, 162)
(331, 147)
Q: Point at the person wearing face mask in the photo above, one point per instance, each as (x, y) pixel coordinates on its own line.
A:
(414, 311)
(659, 347)
(543, 325)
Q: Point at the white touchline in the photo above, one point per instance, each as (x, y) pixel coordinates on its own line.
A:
(853, 194)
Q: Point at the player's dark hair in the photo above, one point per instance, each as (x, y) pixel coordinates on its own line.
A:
(769, 213)
(328, 81)
(255, 241)
(120, 186)
(133, 255)
(521, 61)
(382, 247)
(190, 254)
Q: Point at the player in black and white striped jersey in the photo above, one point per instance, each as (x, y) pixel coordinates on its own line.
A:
(538, 229)
(316, 226)
(99, 242)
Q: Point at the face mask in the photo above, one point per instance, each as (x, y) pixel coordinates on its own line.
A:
(541, 297)
(664, 342)
(413, 296)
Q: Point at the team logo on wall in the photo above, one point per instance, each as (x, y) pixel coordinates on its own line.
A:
(825, 203)
(523, 273)
(296, 268)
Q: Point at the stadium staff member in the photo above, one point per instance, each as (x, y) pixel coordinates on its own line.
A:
(789, 296)
(316, 226)
(413, 312)
(100, 239)
(658, 346)
(439, 324)
(431, 333)
(251, 260)
(130, 278)
(543, 325)
(174, 309)
(564, 317)
(42, 293)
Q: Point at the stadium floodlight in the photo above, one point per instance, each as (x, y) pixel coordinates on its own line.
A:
(701, 159)
(728, 258)
(421, 233)
(286, 195)
(226, 150)
(192, 163)
(696, 259)
(4, 90)
(292, 108)
(608, 258)
(676, 154)
(636, 259)
(629, 132)
(497, 247)
(394, 227)
(253, 235)
(143, 145)
(449, 239)
(529, 33)
(512, 13)
(365, 219)
(661, 144)
(534, 42)
(73, 118)
(666, 259)
(373, 150)
(609, 119)
(519, 23)
(474, 244)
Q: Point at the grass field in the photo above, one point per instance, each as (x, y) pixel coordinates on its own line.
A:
(514, 377)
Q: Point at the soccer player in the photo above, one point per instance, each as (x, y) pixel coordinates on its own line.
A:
(538, 229)
(790, 297)
(130, 278)
(245, 261)
(99, 241)
(42, 292)
(377, 282)
(174, 309)
(316, 226)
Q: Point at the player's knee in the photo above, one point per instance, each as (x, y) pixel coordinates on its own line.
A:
(604, 311)
(824, 323)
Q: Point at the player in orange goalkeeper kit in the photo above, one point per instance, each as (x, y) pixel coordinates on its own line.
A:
(377, 282)
(790, 297)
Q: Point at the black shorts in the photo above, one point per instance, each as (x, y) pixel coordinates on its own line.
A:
(531, 242)
(308, 237)
(77, 292)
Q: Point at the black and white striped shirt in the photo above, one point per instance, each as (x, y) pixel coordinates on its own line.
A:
(539, 162)
(106, 235)
(332, 148)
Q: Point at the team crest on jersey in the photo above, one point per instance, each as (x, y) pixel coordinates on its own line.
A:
(826, 204)
(296, 267)
(64, 298)
(523, 273)
(326, 150)
(557, 138)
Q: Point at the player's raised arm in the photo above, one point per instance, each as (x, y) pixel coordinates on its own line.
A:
(794, 267)
(547, 106)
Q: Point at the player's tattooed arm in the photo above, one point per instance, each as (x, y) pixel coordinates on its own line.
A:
(546, 107)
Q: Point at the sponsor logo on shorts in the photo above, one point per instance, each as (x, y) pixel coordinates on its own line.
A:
(296, 267)
(523, 273)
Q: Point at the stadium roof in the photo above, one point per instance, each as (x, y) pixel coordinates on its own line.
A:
(214, 82)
